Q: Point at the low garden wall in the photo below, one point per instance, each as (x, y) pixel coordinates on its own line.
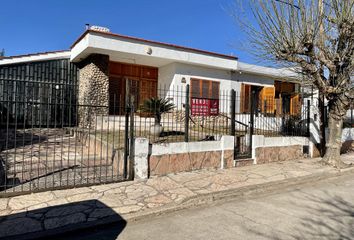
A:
(99, 152)
(165, 158)
(274, 149)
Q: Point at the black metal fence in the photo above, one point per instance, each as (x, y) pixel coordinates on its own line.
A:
(37, 158)
(204, 118)
(54, 142)
(24, 88)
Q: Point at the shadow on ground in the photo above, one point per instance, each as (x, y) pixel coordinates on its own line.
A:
(57, 221)
(319, 216)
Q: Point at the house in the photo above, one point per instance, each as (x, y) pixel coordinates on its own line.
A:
(105, 62)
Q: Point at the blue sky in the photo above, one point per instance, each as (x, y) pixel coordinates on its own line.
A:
(29, 26)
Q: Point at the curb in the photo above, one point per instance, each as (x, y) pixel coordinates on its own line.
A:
(200, 200)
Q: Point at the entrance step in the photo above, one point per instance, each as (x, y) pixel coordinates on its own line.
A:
(243, 162)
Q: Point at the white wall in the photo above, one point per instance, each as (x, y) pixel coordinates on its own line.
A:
(191, 71)
(171, 75)
(348, 134)
(133, 48)
(251, 79)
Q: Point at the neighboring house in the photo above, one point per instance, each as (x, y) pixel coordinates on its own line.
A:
(36, 88)
(110, 59)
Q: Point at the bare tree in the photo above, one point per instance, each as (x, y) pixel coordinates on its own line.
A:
(316, 38)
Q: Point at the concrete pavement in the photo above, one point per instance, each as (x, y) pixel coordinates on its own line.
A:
(317, 210)
(53, 212)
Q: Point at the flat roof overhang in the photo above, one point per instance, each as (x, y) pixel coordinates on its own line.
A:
(144, 52)
(278, 74)
(35, 57)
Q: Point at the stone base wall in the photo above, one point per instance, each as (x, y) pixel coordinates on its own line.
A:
(277, 154)
(99, 153)
(173, 163)
(229, 158)
(93, 89)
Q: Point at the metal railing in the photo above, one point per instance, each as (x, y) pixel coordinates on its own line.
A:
(74, 146)
(58, 142)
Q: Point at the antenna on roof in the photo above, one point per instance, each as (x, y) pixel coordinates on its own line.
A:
(2, 53)
(87, 25)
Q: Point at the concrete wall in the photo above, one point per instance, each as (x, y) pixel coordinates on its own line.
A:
(171, 75)
(347, 140)
(348, 134)
(166, 158)
(130, 48)
(270, 149)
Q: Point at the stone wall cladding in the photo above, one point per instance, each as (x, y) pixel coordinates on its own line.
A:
(229, 158)
(277, 154)
(160, 165)
(244, 162)
(93, 89)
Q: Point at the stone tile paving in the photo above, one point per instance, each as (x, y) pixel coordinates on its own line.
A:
(55, 209)
(44, 158)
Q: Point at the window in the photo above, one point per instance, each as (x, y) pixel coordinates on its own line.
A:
(204, 89)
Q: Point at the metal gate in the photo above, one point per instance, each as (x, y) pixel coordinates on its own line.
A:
(42, 145)
(241, 127)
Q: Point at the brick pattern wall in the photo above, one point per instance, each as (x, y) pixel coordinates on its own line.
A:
(93, 88)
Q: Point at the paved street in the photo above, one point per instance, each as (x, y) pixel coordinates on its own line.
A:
(320, 210)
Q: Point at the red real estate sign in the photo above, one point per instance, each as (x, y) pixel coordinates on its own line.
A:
(204, 107)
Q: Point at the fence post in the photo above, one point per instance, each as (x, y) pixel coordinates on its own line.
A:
(252, 118)
(126, 141)
(131, 140)
(186, 119)
(308, 117)
(126, 129)
(233, 112)
(351, 117)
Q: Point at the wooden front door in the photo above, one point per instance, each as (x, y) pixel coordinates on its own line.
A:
(148, 89)
(142, 84)
(116, 95)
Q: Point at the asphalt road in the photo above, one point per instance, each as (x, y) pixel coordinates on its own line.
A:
(319, 210)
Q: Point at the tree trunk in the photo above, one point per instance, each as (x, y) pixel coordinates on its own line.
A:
(334, 144)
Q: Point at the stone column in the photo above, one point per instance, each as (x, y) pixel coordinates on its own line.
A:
(93, 89)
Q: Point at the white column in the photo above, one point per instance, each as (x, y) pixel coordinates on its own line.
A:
(141, 164)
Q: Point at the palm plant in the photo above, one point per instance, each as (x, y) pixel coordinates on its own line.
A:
(156, 107)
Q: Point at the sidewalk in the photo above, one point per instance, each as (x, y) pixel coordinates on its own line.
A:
(57, 211)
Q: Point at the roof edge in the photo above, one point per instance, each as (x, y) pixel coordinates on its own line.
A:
(153, 42)
(34, 54)
(35, 57)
